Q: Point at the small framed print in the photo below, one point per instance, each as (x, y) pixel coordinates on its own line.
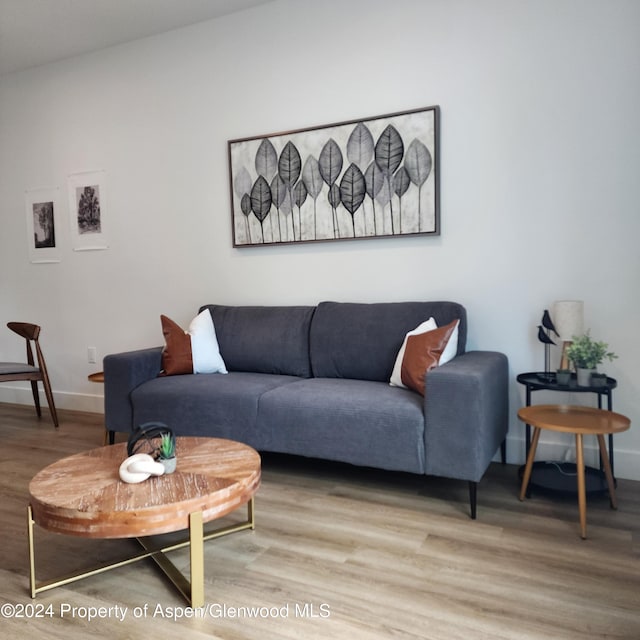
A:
(43, 229)
(88, 210)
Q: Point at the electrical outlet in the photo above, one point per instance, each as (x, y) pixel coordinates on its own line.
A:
(92, 355)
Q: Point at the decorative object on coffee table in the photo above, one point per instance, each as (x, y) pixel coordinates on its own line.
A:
(167, 451)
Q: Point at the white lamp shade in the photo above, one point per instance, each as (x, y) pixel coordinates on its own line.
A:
(568, 318)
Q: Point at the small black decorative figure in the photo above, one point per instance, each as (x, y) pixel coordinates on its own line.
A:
(544, 331)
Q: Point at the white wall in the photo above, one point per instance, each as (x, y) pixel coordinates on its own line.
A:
(539, 176)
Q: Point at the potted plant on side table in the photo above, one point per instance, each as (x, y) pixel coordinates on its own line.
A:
(586, 354)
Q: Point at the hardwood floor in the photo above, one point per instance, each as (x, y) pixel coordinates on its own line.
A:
(338, 552)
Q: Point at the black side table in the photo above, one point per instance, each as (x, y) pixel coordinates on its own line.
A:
(560, 476)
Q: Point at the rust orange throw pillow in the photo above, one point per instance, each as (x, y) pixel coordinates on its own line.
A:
(176, 356)
(193, 351)
(423, 353)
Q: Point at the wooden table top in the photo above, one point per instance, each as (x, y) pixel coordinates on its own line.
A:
(83, 495)
(574, 419)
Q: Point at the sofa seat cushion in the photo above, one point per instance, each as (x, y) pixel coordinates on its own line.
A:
(207, 404)
(360, 422)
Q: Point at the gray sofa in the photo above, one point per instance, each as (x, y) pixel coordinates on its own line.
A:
(314, 381)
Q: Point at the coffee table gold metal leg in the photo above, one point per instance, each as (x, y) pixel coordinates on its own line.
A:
(32, 555)
(528, 468)
(192, 590)
(251, 514)
(582, 491)
(607, 472)
(196, 555)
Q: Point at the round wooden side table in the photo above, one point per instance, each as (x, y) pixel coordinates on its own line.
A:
(580, 421)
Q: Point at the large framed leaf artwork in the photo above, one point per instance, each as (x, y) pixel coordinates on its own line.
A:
(369, 178)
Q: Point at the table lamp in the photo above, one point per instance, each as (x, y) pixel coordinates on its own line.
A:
(568, 318)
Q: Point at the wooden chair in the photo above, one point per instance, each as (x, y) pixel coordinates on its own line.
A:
(10, 371)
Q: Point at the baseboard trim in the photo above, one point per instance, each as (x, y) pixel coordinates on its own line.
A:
(626, 463)
(90, 403)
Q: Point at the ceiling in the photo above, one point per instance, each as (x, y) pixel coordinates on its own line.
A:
(36, 32)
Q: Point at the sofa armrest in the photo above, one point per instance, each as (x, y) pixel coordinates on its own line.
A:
(466, 414)
(123, 372)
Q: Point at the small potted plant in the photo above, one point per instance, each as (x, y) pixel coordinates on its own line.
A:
(598, 379)
(586, 354)
(167, 452)
(563, 377)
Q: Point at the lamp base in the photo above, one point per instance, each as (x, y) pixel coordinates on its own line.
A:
(565, 363)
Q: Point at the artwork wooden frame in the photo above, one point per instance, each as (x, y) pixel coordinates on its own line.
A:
(88, 210)
(370, 178)
(43, 224)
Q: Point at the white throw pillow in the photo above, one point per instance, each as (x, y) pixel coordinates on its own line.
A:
(396, 376)
(448, 354)
(451, 349)
(204, 345)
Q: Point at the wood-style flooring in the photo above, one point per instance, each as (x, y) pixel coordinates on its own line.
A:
(338, 552)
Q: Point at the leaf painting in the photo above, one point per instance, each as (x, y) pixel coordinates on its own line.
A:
(374, 180)
(330, 162)
(278, 194)
(261, 201)
(266, 160)
(401, 182)
(389, 150)
(245, 206)
(313, 182)
(300, 195)
(289, 164)
(367, 178)
(352, 191)
(418, 164)
(360, 146)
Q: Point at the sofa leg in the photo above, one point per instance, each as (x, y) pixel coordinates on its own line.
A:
(473, 498)
(503, 451)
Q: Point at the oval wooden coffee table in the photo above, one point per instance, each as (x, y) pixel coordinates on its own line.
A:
(579, 421)
(82, 495)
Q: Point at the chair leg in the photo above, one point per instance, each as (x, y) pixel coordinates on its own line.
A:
(36, 397)
(473, 498)
(49, 394)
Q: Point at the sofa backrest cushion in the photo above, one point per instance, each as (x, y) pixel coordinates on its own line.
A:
(361, 341)
(264, 339)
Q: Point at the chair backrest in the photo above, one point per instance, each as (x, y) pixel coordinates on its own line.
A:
(30, 332)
